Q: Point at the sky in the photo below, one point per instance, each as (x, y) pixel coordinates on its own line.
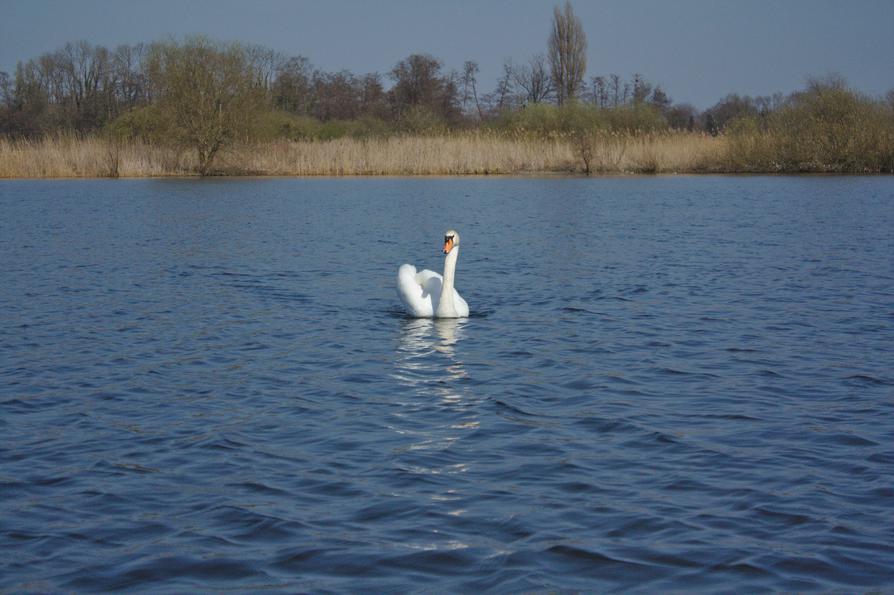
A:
(697, 50)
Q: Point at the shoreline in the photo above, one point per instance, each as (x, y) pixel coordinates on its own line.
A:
(545, 175)
(458, 155)
(519, 175)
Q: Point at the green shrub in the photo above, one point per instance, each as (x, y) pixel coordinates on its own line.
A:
(639, 118)
(278, 124)
(826, 128)
(421, 120)
(574, 117)
(142, 123)
(364, 127)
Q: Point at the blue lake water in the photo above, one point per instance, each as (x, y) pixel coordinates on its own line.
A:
(668, 383)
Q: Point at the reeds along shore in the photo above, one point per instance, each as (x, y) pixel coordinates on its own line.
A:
(454, 154)
(469, 153)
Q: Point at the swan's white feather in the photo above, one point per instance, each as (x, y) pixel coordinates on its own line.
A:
(420, 292)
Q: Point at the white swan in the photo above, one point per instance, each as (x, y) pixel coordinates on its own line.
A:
(428, 295)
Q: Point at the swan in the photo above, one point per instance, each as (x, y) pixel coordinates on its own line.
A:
(427, 294)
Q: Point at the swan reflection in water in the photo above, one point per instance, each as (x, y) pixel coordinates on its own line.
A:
(426, 356)
(435, 409)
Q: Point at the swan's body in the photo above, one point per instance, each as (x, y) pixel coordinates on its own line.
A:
(426, 294)
(421, 294)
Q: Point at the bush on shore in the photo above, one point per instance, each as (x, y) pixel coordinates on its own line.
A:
(826, 128)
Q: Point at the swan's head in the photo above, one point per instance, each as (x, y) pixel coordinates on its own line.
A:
(451, 240)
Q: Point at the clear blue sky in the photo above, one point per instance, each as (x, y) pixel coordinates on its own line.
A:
(699, 50)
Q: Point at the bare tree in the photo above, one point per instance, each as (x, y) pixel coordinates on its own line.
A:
(127, 68)
(6, 103)
(660, 99)
(84, 69)
(766, 104)
(600, 91)
(77, 83)
(681, 116)
(420, 86)
(5, 89)
(417, 82)
(373, 100)
(641, 89)
(292, 88)
(470, 86)
(567, 53)
(534, 79)
(336, 95)
(502, 95)
(824, 84)
(615, 86)
(265, 63)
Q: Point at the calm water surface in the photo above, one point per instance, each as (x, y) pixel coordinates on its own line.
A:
(679, 383)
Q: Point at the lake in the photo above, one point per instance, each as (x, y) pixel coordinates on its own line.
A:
(666, 384)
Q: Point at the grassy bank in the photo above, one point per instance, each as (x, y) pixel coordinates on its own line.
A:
(747, 150)
(453, 154)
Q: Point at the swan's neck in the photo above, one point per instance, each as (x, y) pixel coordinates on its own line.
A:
(446, 307)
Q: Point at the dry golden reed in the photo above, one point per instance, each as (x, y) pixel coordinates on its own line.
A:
(68, 156)
(471, 153)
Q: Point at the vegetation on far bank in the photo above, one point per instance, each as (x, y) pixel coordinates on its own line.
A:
(204, 107)
(455, 153)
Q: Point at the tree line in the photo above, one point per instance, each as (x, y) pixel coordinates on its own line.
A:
(205, 94)
(83, 87)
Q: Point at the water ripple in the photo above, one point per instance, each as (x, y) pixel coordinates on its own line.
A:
(672, 384)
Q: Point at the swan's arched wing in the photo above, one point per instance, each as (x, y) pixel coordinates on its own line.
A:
(419, 292)
(431, 285)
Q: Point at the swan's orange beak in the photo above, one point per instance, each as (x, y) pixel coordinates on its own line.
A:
(448, 245)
